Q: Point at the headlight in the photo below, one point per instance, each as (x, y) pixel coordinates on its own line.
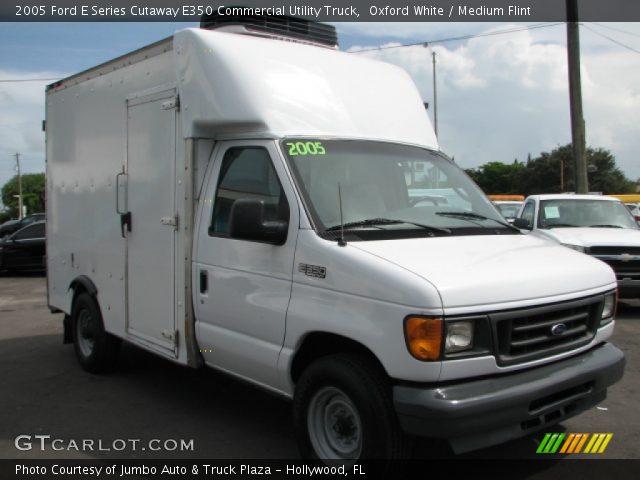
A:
(577, 248)
(424, 337)
(459, 336)
(609, 308)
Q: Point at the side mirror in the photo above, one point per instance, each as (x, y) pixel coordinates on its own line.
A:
(246, 222)
(522, 224)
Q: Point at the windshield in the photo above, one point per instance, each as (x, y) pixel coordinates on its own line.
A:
(387, 191)
(584, 213)
(509, 210)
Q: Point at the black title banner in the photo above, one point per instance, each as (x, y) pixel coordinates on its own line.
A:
(320, 10)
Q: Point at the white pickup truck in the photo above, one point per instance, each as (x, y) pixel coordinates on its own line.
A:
(597, 225)
(281, 211)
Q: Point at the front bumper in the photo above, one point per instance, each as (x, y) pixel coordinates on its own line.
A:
(485, 412)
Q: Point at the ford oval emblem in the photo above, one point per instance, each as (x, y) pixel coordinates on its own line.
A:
(558, 329)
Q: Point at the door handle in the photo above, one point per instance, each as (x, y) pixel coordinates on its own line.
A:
(125, 220)
(121, 185)
(204, 281)
(125, 216)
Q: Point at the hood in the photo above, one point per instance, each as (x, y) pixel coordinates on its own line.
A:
(488, 270)
(591, 237)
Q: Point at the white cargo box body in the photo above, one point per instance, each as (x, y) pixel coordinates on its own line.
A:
(135, 135)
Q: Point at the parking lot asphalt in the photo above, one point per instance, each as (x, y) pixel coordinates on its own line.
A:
(45, 392)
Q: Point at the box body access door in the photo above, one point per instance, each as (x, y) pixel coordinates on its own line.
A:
(149, 219)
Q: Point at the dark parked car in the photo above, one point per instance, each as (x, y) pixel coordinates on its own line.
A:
(25, 249)
(7, 228)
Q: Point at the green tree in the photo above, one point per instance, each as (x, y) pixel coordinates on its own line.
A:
(552, 172)
(33, 193)
(496, 177)
(544, 172)
(606, 177)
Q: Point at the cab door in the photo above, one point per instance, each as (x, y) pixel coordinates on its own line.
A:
(242, 288)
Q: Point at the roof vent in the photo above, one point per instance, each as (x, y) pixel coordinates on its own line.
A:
(274, 26)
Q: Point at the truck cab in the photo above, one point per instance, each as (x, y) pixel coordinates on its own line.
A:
(600, 226)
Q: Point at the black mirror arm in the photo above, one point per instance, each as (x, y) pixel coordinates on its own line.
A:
(522, 224)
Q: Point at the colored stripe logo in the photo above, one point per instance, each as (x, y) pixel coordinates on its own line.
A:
(574, 443)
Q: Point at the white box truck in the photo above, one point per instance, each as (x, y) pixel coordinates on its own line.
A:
(246, 200)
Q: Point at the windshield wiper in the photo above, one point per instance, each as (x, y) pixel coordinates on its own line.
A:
(605, 226)
(476, 216)
(553, 225)
(372, 222)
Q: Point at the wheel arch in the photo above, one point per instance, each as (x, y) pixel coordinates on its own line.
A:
(316, 345)
(80, 284)
(83, 284)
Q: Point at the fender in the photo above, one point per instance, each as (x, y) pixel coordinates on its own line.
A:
(86, 283)
(83, 283)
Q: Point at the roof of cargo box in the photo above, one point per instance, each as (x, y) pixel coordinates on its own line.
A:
(233, 84)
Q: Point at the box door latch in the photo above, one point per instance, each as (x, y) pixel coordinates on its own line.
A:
(171, 104)
(170, 221)
(172, 336)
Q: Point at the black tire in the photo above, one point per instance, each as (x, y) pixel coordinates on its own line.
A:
(343, 410)
(96, 350)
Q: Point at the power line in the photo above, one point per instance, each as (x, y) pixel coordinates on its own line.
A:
(611, 39)
(616, 29)
(463, 37)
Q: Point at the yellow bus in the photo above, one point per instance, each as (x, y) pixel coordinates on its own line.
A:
(506, 197)
(627, 197)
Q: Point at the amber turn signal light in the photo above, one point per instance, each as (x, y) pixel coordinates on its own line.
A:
(424, 337)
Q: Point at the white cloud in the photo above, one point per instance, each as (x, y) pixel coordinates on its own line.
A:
(612, 106)
(411, 30)
(504, 96)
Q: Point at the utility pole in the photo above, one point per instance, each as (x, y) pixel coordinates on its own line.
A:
(435, 98)
(575, 97)
(435, 91)
(17, 155)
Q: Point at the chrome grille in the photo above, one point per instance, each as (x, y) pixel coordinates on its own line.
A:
(528, 334)
(625, 261)
(624, 270)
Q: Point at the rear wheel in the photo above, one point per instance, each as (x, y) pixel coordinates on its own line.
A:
(96, 350)
(343, 410)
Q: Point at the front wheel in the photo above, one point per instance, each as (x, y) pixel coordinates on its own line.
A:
(343, 411)
(96, 350)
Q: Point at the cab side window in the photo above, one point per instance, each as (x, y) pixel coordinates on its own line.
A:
(32, 231)
(247, 172)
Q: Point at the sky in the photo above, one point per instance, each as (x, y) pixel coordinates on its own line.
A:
(500, 96)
